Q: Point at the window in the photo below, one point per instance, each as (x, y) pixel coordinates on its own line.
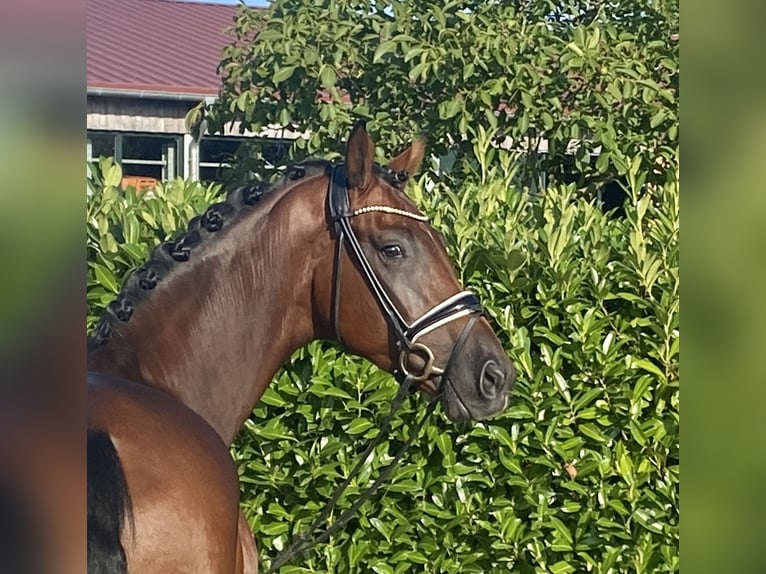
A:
(216, 154)
(149, 156)
(140, 155)
(145, 156)
(100, 144)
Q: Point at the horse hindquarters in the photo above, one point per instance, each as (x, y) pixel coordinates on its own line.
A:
(108, 506)
(182, 482)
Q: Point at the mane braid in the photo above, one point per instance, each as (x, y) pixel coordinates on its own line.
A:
(164, 258)
(168, 254)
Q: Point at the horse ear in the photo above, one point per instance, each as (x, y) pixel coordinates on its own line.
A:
(410, 159)
(360, 154)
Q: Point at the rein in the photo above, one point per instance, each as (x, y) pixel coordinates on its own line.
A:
(306, 540)
(460, 305)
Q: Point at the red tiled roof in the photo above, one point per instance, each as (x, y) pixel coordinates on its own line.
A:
(156, 45)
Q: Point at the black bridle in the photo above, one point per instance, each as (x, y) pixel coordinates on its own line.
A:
(407, 334)
(463, 304)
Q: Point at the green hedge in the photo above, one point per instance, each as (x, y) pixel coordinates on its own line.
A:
(124, 226)
(579, 475)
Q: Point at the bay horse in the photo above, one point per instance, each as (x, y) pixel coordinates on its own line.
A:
(182, 355)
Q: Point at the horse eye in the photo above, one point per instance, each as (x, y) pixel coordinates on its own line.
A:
(392, 251)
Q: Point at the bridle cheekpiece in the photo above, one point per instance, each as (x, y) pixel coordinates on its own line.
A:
(460, 305)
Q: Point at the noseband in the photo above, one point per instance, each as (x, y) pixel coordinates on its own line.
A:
(407, 334)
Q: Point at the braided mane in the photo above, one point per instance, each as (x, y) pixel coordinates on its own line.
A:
(169, 254)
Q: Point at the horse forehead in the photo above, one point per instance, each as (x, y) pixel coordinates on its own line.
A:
(386, 194)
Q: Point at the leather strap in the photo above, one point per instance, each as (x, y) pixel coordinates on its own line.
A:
(455, 307)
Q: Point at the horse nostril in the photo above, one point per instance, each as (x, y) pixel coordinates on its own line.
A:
(491, 379)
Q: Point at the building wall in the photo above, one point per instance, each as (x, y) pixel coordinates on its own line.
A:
(137, 114)
(136, 118)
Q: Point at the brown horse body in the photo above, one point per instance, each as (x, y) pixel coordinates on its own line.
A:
(195, 337)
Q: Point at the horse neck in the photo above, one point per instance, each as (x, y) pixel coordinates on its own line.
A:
(216, 331)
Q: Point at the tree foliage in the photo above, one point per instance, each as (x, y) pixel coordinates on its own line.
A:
(597, 81)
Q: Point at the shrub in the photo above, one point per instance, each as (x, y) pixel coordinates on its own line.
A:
(123, 226)
(580, 474)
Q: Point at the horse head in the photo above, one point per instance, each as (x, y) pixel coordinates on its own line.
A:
(391, 293)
